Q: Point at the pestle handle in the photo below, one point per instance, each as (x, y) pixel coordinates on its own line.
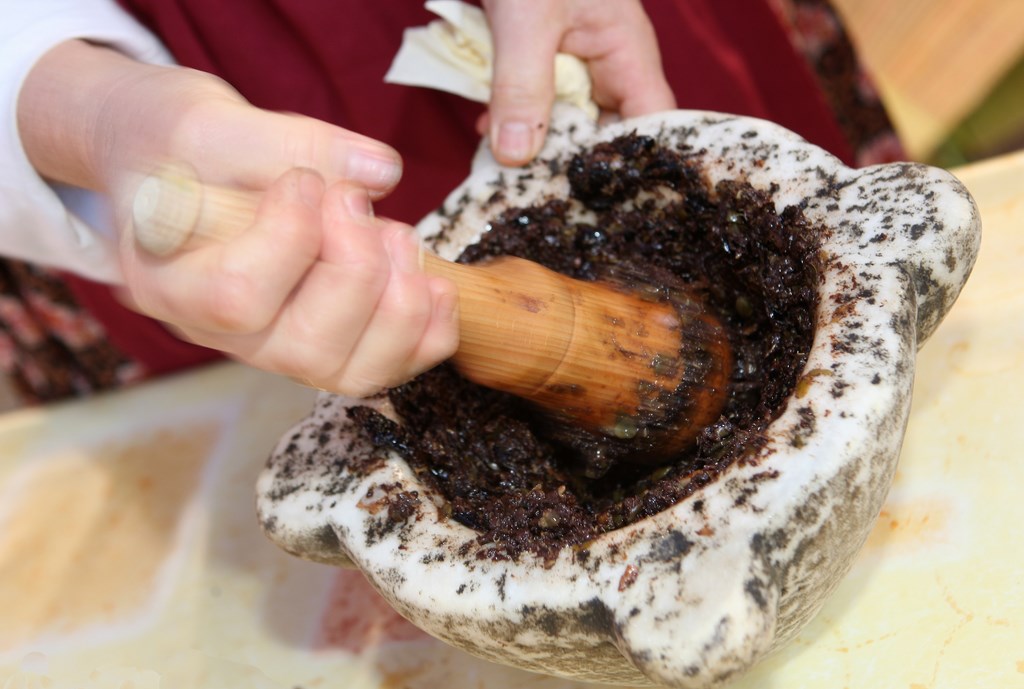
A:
(515, 317)
(607, 360)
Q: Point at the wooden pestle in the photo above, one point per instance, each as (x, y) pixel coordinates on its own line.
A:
(604, 359)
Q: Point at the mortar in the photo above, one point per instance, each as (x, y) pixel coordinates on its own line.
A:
(697, 593)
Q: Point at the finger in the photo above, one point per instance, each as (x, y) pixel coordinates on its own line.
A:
(237, 286)
(226, 148)
(620, 46)
(415, 324)
(318, 327)
(344, 289)
(364, 372)
(440, 339)
(646, 91)
(349, 210)
(526, 37)
(309, 340)
(413, 327)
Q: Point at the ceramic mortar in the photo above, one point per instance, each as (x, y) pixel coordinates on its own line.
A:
(697, 594)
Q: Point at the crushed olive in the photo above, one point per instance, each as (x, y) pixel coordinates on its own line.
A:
(526, 487)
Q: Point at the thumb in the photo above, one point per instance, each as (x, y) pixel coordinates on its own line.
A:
(523, 84)
(254, 147)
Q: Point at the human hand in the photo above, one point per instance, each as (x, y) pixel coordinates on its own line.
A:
(345, 307)
(613, 37)
(315, 288)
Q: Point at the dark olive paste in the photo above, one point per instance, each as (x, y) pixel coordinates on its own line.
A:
(496, 461)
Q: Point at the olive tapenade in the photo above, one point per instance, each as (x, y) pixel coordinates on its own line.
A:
(500, 466)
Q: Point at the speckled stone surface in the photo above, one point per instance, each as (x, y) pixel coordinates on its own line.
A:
(697, 594)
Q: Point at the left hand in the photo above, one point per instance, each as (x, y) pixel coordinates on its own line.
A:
(615, 39)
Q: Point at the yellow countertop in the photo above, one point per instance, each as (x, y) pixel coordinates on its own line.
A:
(934, 61)
(130, 556)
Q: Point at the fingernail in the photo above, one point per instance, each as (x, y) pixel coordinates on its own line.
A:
(374, 171)
(311, 188)
(515, 141)
(404, 250)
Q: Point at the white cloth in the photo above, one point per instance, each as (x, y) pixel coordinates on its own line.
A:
(60, 227)
(455, 54)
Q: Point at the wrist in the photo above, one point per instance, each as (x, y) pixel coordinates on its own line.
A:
(67, 114)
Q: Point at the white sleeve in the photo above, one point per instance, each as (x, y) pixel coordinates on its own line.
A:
(64, 228)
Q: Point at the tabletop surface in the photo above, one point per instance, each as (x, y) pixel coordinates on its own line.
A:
(130, 556)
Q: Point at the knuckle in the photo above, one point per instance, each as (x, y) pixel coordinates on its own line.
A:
(301, 143)
(293, 228)
(232, 301)
(512, 91)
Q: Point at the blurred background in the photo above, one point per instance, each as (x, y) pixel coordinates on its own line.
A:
(951, 73)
